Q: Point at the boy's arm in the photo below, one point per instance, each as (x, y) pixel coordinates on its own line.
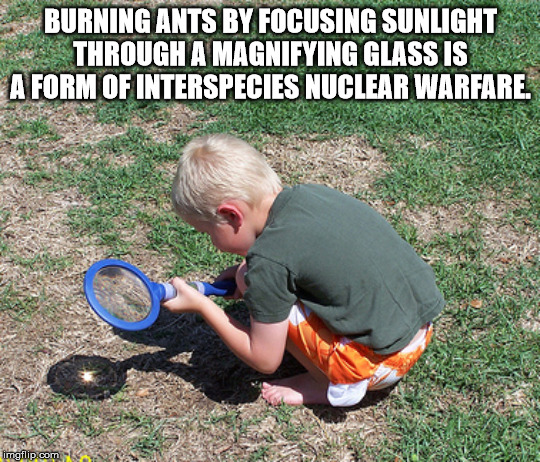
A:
(260, 346)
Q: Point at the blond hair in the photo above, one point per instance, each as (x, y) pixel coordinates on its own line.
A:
(217, 168)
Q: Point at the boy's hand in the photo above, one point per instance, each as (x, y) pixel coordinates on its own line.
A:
(187, 300)
(229, 273)
(236, 272)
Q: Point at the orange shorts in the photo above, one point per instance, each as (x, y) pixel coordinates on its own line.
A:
(351, 368)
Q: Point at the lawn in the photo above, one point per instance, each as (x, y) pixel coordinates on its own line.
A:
(81, 181)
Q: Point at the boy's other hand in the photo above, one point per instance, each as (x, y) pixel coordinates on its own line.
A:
(236, 272)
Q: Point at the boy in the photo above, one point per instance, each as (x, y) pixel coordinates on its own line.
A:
(324, 276)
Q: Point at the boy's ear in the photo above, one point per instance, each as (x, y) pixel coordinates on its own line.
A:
(231, 212)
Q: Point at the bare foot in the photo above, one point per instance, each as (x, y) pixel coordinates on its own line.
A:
(296, 390)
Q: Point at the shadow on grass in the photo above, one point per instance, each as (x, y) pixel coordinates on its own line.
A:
(331, 414)
(212, 368)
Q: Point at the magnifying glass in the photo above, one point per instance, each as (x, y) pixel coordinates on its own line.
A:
(123, 296)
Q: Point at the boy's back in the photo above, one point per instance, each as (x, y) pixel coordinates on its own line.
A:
(346, 262)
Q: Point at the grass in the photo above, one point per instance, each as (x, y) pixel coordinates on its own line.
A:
(474, 395)
(17, 304)
(489, 436)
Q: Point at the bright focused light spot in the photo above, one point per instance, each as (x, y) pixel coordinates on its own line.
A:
(87, 376)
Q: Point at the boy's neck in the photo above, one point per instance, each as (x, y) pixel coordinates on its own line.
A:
(262, 211)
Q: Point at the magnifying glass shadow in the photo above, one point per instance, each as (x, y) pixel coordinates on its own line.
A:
(212, 368)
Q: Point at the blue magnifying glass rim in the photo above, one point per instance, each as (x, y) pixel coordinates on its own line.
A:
(103, 313)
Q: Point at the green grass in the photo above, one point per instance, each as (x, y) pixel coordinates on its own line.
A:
(468, 434)
(456, 404)
(146, 432)
(119, 191)
(36, 129)
(17, 304)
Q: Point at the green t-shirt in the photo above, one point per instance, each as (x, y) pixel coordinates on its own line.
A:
(346, 263)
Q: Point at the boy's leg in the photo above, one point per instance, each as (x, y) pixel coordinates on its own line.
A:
(311, 387)
(339, 371)
(308, 388)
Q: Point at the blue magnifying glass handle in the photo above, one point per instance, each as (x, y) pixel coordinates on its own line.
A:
(219, 288)
(166, 291)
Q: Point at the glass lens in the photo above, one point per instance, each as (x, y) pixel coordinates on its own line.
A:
(122, 293)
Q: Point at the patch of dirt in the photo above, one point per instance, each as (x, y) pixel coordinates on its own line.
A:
(180, 120)
(431, 221)
(531, 321)
(504, 241)
(533, 72)
(15, 28)
(349, 164)
(23, 27)
(73, 122)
